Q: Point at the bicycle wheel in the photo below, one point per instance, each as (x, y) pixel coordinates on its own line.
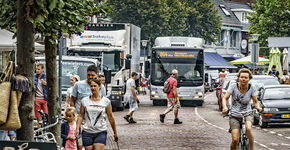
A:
(244, 145)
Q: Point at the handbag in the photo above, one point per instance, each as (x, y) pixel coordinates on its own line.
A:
(5, 88)
(13, 121)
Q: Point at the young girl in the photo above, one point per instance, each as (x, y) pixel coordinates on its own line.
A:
(93, 112)
(144, 85)
(68, 130)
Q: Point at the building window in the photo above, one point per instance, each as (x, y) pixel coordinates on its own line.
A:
(227, 13)
(244, 19)
(223, 38)
(234, 39)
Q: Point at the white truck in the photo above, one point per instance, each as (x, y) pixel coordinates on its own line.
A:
(117, 47)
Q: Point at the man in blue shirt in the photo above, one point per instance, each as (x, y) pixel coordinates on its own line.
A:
(82, 88)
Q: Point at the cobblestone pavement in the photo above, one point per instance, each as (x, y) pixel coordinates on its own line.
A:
(149, 133)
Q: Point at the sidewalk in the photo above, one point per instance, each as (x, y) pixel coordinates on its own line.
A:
(111, 144)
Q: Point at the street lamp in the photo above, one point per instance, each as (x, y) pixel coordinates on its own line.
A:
(255, 50)
(144, 44)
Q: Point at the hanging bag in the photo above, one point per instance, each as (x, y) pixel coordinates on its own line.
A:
(13, 121)
(5, 88)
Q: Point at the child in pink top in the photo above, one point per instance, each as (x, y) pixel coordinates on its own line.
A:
(68, 130)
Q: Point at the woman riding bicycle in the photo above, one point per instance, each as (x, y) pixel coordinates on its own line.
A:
(241, 93)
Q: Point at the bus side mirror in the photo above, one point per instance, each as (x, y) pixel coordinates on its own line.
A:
(108, 76)
(206, 77)
(127, 64)
(147, 66)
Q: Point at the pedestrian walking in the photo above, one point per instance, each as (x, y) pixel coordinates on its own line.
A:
(40, 93)
(144, 85)
(73, 80)
(68, 130)
(131, 97)
(285, 77)
(93, 112)
(256, 71)
(172, 99)
(274, 72)
(103, 80)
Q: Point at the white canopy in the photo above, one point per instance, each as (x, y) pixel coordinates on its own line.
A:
(7, 43)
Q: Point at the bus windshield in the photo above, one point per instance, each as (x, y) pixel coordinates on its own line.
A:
(190, 70)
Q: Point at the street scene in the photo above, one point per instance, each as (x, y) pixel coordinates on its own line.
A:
(123, 74)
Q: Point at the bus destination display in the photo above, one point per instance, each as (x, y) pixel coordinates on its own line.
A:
(180, 54)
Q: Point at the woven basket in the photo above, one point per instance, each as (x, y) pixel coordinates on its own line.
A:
(13, 120)
(5, 88)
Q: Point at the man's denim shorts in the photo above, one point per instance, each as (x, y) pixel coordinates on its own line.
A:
(93, 138)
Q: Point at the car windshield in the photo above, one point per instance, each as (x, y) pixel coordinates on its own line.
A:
(277, 93)
(260, 82)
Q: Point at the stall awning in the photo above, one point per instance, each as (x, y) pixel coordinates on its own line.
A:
(214, 60)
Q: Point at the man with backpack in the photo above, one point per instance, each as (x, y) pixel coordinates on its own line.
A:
(170, 88)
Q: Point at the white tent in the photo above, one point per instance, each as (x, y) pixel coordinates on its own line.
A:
(7, 43)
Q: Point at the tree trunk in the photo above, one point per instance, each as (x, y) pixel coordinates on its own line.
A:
(26, 67)
(52, 88)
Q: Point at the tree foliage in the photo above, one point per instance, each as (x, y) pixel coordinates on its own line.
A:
(168, 17)
(50, 17)
(270, 19)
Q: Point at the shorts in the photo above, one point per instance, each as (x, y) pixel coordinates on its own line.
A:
(172, 105)
(235, 122)
(40, 104)
(93, 138)
(133, 105)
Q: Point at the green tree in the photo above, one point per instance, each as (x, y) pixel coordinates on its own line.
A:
(270, 19)
(168, 17)
(203, 20)
(51, 19)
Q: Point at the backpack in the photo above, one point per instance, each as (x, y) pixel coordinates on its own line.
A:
(166, 86)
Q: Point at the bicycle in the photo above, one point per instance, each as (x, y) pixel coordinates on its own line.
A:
(41, 134)
(243, 141)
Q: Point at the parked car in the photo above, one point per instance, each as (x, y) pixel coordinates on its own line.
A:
(275, 100)
(263, 80)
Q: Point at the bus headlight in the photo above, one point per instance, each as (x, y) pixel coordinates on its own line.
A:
(154, 93)
(156, 96)
(199, 93)
(116, 92)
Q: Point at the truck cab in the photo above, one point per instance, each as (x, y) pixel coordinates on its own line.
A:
(117, 47)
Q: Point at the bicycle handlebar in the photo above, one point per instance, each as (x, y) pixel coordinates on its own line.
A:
(49, 126)
(243, 112)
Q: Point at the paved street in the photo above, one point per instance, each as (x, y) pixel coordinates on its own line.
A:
(203, 128)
